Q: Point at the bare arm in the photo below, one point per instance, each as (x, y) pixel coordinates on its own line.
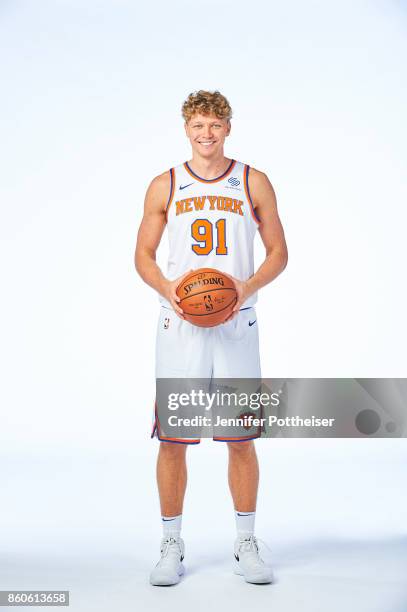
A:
(270, 229)
(150, 231)
(149, 235)
(272, 235)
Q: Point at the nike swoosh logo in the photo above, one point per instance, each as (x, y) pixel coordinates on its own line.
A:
(248, 514)
(184, 186)
(252, 323)
(236, 557)
(166, 520)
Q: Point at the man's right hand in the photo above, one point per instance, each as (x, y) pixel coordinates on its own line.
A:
(170, 294)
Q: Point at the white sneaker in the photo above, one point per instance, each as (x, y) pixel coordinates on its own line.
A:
(248, 562)
(169, 568)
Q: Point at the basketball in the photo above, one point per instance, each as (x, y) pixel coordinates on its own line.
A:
(207, 297)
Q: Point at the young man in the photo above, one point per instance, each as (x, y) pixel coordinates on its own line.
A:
(212, 207)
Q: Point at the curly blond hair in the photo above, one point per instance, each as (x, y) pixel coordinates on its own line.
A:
(206, 103)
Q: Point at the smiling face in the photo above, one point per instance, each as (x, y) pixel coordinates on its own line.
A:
(207, 134)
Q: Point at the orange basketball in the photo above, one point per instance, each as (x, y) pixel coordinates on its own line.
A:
(207, 297)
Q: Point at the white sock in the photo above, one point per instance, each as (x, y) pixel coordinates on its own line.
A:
(171, 525)
(245, 523)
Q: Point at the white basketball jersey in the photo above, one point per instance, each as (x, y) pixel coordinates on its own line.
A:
(211, 223)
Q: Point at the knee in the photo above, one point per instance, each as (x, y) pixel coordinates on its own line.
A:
(172, 451)
(241, 448)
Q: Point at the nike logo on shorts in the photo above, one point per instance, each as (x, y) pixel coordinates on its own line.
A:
(252, 322)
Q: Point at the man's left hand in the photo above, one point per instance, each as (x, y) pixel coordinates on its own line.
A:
(243, 293)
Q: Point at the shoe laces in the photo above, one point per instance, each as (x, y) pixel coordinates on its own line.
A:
(249, 544)
(166, 544)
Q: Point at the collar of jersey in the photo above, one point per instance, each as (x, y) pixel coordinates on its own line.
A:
(214, 180)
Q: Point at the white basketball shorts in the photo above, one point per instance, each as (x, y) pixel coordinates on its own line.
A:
(186, 351)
